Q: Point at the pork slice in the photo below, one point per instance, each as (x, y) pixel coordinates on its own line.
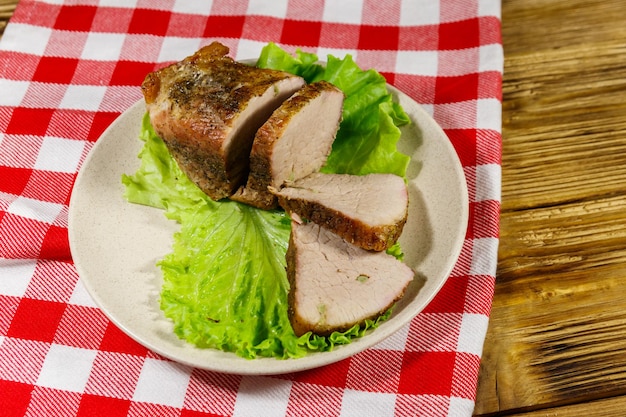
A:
(335, 285)
(207, 109)
(367, 210)
(293, 143)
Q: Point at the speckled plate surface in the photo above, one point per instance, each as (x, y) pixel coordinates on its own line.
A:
(116, 245)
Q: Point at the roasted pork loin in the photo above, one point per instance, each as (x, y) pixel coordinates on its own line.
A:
(334, 284)
(293, 143)
(207, 109)
(260, 136)
(367, 210)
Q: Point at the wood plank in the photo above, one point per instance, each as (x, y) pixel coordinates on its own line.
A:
(538, 25)
(7, 7)
(558, 326)
(564, 134)
(557, 332)
(563, 105)
(610, 407)
(571, 238)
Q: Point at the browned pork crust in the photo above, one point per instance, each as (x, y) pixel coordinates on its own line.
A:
(207, 109)
(369, 210)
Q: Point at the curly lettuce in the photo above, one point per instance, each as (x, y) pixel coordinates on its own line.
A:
(225, 284)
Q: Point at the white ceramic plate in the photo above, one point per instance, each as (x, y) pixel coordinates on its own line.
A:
(115, 245)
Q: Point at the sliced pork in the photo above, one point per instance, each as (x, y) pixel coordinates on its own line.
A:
(335, 285)
(367, 210)
(293, 143)
(207, 109)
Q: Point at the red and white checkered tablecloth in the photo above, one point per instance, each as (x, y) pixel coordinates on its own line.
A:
(68, 68)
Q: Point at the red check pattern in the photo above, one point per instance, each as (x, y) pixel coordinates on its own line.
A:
(69, 68)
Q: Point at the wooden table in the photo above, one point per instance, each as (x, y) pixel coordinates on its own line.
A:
(557, 338)
(6, 10)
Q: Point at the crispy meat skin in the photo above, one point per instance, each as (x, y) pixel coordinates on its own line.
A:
(335, 285)
(207, 108)
(366, 210)
(293, 143)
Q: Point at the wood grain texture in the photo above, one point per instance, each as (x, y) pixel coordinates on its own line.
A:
(557, 337)
(7, 7)
(563, 112)
(610, 407)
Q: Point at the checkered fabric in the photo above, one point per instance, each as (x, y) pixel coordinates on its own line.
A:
(68, 68)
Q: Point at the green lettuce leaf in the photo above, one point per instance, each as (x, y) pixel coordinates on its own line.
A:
(303, 64)
(159, 182)
(221, 281)
(225, 284)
